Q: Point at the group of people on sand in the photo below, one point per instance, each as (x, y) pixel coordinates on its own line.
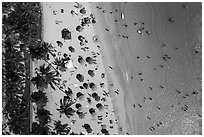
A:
(86, 21)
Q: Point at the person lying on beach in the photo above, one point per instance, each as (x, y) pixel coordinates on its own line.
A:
(73, 13)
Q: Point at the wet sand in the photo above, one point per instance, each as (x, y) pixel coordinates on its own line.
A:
(109, 59)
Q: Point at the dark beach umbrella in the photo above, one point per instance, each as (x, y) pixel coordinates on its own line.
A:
(59, 43)
(95, 96)
(79, 28)
(105, 131)
(66, 34)
(87, 127)
(80, 95)
(99, 106)
(91, 73)
(92, 110)
(85, 85)
(82, 11)
(80, 77)
(92, 86)
(89, 60)
(81, 60)
(71, 49)
(78, 105)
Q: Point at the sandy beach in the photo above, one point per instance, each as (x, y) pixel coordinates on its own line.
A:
(51, 20)
(146, 51)
(102, 68)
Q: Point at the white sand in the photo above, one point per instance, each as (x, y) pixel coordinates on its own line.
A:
(52, 33)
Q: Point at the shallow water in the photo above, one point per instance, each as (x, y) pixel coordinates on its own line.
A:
(154, 45)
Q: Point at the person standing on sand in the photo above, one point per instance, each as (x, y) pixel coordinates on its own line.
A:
(79, 6)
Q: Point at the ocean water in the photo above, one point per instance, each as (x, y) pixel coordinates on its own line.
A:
(156, 50)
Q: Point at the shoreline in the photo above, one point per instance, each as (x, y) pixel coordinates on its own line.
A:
(114, 77)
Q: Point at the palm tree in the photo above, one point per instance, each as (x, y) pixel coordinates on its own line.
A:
(39, 98)
(65, 106)
(43, 116)
(61, 63)
(45, 76)
(61, 129)
(21, 30)
(17, 116)
(38, 129)
(41, 50)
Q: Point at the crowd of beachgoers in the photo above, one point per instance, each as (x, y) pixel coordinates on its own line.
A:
(78, 58)
(157, 81)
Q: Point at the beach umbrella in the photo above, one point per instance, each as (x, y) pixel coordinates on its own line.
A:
(92, 86)
(79, 28)
(71, 49)
(87, 127)
(78, 106)
(80, 95)
(105, 131)
(59, 43)
(66, 34)
(81, 60)
(80, 77)
(99, 106)
(91, 73)
(85, 85)
(82, 11)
